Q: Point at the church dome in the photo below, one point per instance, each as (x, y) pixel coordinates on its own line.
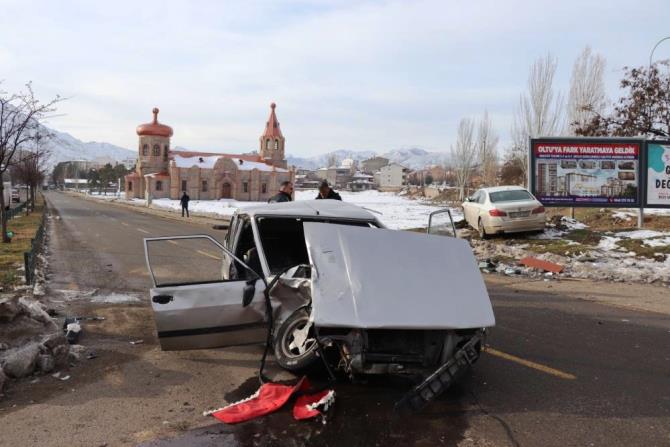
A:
(154, 128)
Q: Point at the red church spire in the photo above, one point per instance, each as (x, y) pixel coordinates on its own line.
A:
(272, 126)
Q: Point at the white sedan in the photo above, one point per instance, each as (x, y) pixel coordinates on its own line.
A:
(503, 209)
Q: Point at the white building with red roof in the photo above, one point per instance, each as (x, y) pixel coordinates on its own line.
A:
(164, 173)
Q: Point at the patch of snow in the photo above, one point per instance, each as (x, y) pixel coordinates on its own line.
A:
(608, 243)
(623, 215)
(572, 224)
(397, 212)
(641, 234)
(659, 242)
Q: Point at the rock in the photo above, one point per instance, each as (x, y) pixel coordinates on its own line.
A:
(9, 308)
(3, 378)
(4, 346)
(45, 363)
(20, 362)
(53, 340)
(76, 352)
(61, 354)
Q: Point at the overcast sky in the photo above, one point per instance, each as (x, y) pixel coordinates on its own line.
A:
(345, 75)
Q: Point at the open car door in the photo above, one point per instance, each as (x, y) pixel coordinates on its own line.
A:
(197, 297)
(441, 223)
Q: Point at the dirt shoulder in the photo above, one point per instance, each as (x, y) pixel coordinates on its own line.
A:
(162, 212)
(645, 297)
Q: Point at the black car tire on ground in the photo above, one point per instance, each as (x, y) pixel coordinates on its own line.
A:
(290, 358)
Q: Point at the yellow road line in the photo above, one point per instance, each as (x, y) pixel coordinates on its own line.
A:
(208, 254)
(173, 242)
(143, 231)
(529, 364)
(124, 223)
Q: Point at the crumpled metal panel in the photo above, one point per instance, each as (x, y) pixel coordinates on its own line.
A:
(376, 278)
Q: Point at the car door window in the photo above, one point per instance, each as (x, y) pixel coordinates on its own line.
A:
(441, 223)
(481, 198)
(187, 260)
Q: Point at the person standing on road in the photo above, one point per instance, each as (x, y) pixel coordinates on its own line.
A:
(184, 204)
(326, 192)
(284, 194)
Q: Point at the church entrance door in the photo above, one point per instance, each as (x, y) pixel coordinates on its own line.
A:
(226, 191)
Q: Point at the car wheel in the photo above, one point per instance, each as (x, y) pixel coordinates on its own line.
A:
(482, 231)
(295, 344)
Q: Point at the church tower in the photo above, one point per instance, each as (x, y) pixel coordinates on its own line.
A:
(154, 146)
(272, 141)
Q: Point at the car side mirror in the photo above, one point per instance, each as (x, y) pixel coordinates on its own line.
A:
(248, 293)
(468, 199)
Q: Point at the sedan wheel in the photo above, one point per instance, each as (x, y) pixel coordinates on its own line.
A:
(482, 230)
(295, 345)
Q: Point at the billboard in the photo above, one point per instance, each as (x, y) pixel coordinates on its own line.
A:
(586, 172)
(657, 193)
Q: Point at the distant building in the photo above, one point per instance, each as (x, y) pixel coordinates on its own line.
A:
(165, 173)
(361, 182)
(374, 164)
(392, 176)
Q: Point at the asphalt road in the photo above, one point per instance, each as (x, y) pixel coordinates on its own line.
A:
(560, 371)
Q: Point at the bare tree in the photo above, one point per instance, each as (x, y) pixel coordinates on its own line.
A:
(487, 142)
(20, 114)
(29, 166)
(539, 112)
(464, 154)
(587, 97)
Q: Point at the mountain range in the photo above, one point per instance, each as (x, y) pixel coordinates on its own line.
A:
(65, 147)
(413, 158)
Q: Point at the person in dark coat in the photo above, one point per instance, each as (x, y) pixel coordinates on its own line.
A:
(184, 204)
(284, 194)
(326, 192)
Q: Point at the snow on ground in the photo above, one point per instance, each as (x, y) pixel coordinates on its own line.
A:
(396, 212)
(640, 234)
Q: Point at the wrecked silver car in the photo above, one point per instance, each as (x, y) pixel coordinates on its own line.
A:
(323, 282)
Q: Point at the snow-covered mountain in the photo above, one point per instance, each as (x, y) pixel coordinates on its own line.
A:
(413, 158)
(65, 147)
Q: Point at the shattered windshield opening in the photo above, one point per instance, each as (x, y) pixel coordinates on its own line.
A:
(283, 240)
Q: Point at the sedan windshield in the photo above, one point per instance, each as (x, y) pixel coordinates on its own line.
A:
(515, 195)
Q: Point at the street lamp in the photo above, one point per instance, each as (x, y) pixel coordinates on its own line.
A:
(651, 55)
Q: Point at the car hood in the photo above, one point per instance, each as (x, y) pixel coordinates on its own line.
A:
(376, 278)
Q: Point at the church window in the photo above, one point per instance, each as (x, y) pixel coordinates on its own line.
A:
(130, 186)
(145, 150)
(157, 150)
(264, 188)
(183, 185)
(165, 152)
(204, 186)
(159, 185)
(267, 144)
(245, 187)
(276, 144)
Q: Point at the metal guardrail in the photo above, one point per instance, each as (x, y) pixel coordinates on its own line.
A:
(12, 213)
(30, 257)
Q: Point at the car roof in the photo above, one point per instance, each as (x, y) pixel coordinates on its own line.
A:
(310, 208)
(504, 188)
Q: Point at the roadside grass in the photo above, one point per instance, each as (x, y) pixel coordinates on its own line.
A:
(598, 220)
(640, 249)
(11, 255)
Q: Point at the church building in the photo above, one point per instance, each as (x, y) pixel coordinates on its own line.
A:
(165, 173)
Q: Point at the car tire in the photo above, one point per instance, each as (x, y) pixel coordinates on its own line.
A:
(482, 231)
(291, 357)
